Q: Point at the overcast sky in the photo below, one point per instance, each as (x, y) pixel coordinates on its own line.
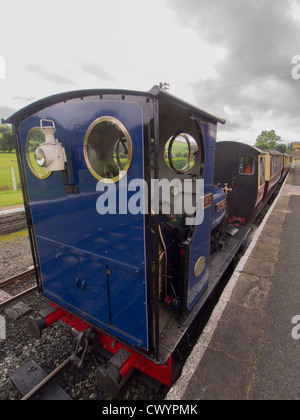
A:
(232, 58)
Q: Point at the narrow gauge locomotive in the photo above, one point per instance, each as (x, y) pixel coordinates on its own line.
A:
(254, 175)
(128, 277)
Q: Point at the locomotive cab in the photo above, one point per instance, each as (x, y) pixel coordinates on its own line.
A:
(120, 204)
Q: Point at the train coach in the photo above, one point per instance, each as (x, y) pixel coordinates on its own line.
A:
(254, 174)
(245, 167)
(287, 164)
(126, 265)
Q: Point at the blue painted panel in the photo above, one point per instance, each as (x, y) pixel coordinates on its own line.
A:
(217, 217)
(75, 242)
(200, 246)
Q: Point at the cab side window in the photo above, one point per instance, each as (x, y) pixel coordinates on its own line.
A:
(246, 165)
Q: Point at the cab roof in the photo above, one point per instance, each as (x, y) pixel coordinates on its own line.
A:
(155, 92)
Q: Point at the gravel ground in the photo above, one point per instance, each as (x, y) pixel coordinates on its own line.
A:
(55, 345)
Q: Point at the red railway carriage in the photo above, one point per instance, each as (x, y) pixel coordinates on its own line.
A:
(252, 175)
(287, 163)
(243, 168)
(274, 172)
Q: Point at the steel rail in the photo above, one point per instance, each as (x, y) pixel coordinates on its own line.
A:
(18, 297)
(20, 276)
(47, 379)
(51, 375)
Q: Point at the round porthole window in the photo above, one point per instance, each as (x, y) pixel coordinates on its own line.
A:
(108, 149)
(35, 159)
(180, 152)
(199, 266)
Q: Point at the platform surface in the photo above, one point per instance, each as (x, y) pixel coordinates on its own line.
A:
(247, 350)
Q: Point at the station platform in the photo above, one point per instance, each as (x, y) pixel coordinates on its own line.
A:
(248, 350)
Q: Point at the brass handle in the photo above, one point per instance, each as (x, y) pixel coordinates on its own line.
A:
(226, 189)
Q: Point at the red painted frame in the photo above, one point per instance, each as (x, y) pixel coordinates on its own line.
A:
(162, 373)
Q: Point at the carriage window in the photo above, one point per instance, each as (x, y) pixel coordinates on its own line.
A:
(180, 152)
(34, 139)
(108, 149)
(246, 166)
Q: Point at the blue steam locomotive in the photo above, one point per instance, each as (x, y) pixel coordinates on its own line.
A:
(129, 235)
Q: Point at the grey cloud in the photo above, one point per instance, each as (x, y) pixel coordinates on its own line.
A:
(97, 71)
(50, 77)
(255, 32)
(254, 79)
(25, 98)
(6, 111)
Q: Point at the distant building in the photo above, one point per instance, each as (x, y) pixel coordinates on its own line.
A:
(296, 149)
(296, 146)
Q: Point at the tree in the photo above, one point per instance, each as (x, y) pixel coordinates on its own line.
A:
(7, 143)
(281, 148)
(267, 140)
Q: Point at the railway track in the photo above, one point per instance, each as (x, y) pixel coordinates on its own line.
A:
(6, 299)
(37, 389)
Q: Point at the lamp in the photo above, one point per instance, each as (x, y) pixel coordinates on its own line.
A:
(51, 154)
